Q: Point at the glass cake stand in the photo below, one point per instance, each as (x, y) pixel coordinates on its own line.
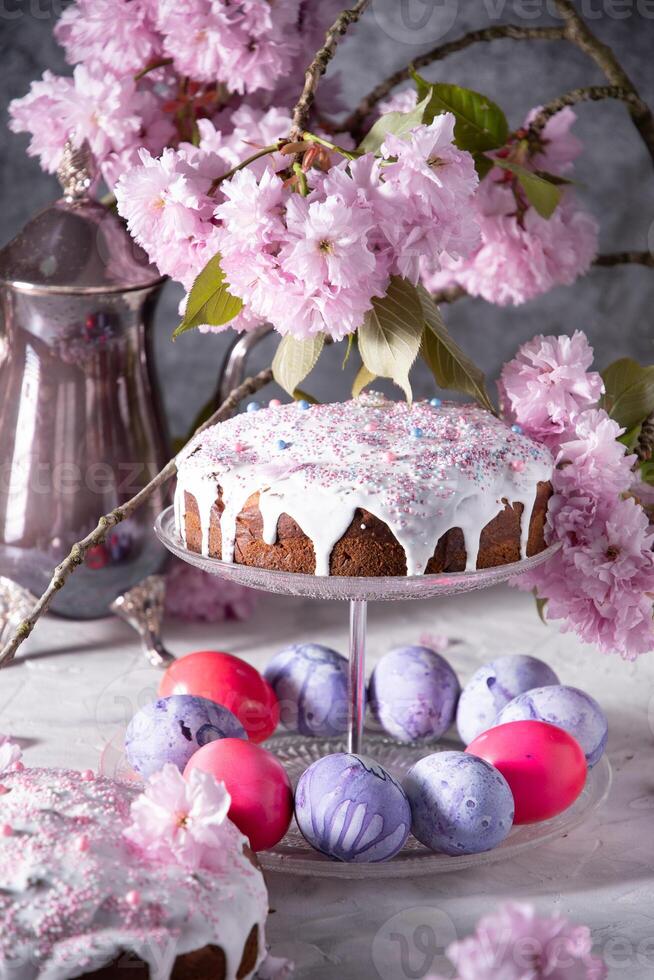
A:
(293, 855)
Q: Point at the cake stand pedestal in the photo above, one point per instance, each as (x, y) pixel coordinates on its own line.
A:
(293, 855)
(356, 590)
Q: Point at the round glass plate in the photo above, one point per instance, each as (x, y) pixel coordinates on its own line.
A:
(294, 856)
(343, 587)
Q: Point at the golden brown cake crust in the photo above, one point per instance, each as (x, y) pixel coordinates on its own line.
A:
(368, 547)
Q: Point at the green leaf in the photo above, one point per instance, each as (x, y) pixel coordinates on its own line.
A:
(541, 605)
(364, 377)
(451, 368)
(647, 471)
(294, 359)
(542, 194)
(351, 338)
(389, 338)
(397, 123)
(630, 437)
(629, 395)
(209, 301)
(480, 123)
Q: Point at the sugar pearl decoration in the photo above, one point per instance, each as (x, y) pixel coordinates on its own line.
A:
(18, 766)
(6, 830)
(516, 428)
(82, 843)
(416, 432)
(133, 898)
(371, 427)
(281, 444)
(87, 775)
(253, 407)
(518, 465)
(274, 403)
(435, 402)
(390, 457)
(239, 447)
(3, 790)
(303, 404)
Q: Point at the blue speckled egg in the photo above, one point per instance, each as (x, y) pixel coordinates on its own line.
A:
(413, 693)
(567, 707)
(171, 729)
(492, 687)
(351, 809)
(460, 804)
(310, 682)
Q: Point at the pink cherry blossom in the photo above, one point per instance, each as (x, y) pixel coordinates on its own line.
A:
(547, 384)
(10, 753)
(600, 584)
(246, 46)
(514, 943)
(116, 33)
(560, 148)
(523, 254)
(592, 460)
(39, 114)
(181, 820)
(313, 264)
(94, 105)
(196, 596)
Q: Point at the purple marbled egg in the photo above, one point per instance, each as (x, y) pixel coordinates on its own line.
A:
(413, 693)
(492, 687)
(460, 804)
(310, 681)
(351, 809)
(568, 708)
(171, 729)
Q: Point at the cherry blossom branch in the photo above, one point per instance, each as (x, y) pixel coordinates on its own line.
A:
(263, 152)
(318, 66)
(161, 63)
(95, 537)
(577, 32)
(592, 93)
(625, 258)
(486, 34)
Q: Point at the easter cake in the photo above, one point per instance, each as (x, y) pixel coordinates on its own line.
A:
(79, 899)
(367, 487)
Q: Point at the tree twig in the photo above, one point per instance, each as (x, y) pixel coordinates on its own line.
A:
(79, 550)
(578, 33)
(591, 93)
(624, 258)
(318, 66)
(486, 34)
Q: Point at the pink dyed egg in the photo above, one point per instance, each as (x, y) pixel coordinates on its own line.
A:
(227, 680)
(261, 792)
(544, 766)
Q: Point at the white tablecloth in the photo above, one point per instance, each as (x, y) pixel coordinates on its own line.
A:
(75, 684)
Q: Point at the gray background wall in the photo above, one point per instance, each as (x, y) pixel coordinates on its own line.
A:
(614, 306)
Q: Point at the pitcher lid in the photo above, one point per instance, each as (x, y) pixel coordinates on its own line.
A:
(77, 244)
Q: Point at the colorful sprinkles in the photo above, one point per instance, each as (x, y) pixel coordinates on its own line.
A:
(454, 465)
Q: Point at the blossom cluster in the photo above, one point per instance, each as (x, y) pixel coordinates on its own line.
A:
(600, 583)
(515, 943)
(313, 263)
(167, 200)
(181, 820)
(521, 253)
(145, 72)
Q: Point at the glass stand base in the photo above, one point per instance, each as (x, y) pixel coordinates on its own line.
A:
(294, 856)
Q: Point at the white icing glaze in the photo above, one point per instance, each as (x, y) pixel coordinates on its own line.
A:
(63, 908)
(458, 472)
